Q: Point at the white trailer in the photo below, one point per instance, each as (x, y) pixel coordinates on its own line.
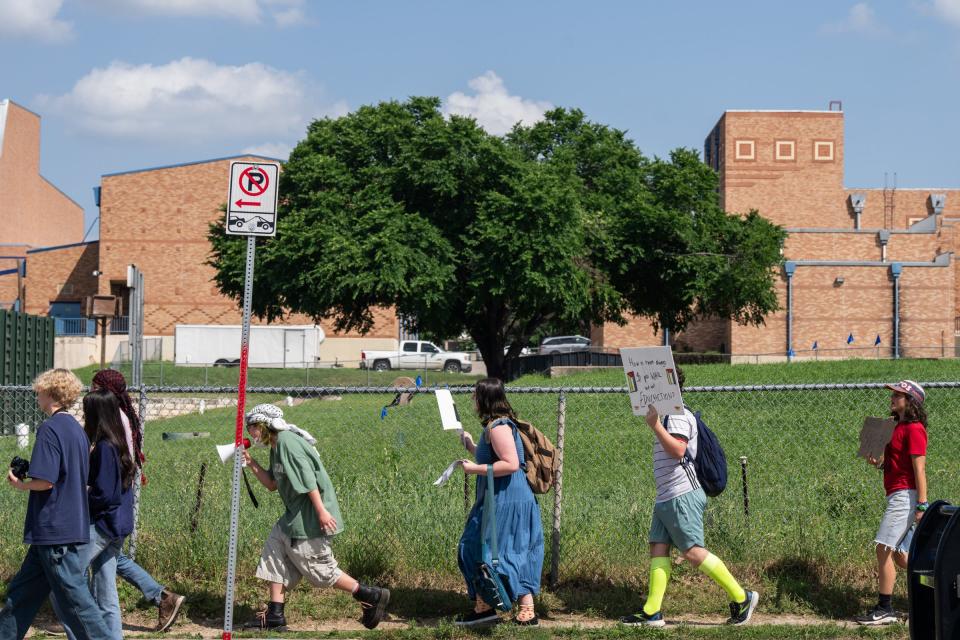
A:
(295, 346)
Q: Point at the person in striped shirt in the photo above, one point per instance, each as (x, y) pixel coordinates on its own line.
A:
(678, 519)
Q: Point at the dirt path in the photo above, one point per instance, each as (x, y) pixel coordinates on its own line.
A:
(141, 625)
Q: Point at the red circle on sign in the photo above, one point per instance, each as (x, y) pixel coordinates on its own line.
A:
(256, 187)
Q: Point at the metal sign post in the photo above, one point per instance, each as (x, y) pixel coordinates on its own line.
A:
(238, 439)
(258, 185)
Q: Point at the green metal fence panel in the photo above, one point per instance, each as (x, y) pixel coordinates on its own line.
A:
(27, 344)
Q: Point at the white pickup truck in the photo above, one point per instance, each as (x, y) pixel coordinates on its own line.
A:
(416, 354)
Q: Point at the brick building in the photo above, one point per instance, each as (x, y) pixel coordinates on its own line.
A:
(860, 264)
(35, 213)
(158, 219)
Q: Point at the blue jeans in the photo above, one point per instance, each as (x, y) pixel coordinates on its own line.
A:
(100, 554)
(138, 577)
(57, 570)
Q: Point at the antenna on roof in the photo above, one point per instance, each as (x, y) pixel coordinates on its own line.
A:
(835, 103)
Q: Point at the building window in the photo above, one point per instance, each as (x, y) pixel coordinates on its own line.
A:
(823, 150)
(785, 150)
(746, 150)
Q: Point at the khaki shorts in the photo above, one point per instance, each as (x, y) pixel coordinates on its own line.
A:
(286, 561)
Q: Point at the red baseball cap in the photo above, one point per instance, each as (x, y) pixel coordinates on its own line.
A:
(910, 388)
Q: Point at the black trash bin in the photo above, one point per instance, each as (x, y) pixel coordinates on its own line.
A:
(933, 575)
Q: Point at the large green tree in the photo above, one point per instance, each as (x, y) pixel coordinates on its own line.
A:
(555, 224)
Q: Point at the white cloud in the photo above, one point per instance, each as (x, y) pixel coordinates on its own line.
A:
(283, 12)
(860, 19)
(192, 99)
(279, 150)
(949, 10)
(288, 13)
(33, 19)
(493, 107)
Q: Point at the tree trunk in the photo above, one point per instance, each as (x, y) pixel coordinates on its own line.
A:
(492, 351)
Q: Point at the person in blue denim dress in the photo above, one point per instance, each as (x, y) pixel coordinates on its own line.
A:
(519, 525)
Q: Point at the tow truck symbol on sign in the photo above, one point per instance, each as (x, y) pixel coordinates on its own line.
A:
(258, 222)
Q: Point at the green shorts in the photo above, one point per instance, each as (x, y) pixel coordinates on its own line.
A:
(679, 522)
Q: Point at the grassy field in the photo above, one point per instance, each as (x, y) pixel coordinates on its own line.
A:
(813, 506)
(776, 373)
(168, 374)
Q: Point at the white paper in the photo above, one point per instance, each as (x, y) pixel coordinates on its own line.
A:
(442, 480)
(448, 411)
(652, 379)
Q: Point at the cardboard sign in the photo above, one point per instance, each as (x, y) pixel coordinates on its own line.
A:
(448, 411)
(874, 436)
(652, 379)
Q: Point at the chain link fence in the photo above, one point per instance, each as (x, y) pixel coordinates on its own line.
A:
(805, 495)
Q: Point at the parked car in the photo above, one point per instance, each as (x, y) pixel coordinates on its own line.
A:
(563, 344)
(417, 354)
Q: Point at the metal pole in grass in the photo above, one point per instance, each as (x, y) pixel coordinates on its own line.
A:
(138, 481)
(195, 517)
(746, 494)
(238, 439)
(558, 493)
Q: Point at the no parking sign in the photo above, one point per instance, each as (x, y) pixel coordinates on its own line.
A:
(252, 199)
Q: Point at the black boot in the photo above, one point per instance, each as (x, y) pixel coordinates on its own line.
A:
(373, 601)
(270, 620)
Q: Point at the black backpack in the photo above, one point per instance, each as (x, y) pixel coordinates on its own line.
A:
(711, 462)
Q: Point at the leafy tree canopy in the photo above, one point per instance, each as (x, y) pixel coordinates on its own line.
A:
(558, 224)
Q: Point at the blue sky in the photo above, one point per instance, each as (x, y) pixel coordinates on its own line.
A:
(128, 84)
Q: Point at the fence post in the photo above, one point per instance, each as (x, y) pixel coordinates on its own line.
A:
(558, 493)
(138, 480)
(746, 494)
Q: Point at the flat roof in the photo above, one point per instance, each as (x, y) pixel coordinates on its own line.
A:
(782, 111)
(187, 164)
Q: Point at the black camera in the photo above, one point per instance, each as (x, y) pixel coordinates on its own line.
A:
(20, 467)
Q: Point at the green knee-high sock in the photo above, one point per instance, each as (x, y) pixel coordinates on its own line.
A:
(713, 567)
(659, 576)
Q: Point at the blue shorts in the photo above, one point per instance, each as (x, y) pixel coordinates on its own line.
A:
(679, 521)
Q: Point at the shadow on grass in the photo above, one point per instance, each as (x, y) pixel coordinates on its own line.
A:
(802, 580)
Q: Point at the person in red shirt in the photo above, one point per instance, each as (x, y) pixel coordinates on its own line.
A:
(905, 483)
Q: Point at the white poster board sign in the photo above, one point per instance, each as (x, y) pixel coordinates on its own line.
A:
(652, 379)
(448, 411)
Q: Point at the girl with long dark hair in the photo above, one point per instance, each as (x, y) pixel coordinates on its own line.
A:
(168, 602)
(905, 483)
(519, 527)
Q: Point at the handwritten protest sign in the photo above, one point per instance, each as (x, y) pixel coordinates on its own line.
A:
(652, 379)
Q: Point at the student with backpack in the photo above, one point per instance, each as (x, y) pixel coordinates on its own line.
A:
(905, 484)
(506, 555)
(678, 513)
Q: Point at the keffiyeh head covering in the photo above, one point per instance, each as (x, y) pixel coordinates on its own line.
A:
(272, 416)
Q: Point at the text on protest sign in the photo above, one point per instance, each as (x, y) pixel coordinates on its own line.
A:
(652, 379)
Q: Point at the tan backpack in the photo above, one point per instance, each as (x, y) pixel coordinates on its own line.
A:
(540, 456)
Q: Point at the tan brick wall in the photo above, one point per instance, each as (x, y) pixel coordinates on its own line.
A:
(706, 335)
(802, 192)
(35, 212)
(60, 275)
(158, 219)
(903, 206)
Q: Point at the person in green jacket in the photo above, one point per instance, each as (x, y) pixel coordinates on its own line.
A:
(299, 544)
